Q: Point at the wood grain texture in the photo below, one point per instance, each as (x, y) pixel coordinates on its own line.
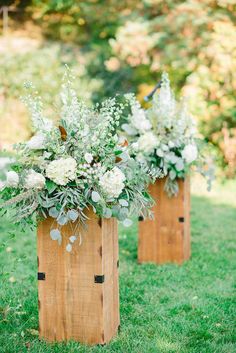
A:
(166, 239)
(71, 304)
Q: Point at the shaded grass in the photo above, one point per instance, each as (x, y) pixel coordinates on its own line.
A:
(170, 308)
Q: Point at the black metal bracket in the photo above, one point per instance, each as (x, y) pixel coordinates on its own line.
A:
(118, 263)
(150, 95)
(41, 276)
(99, 278)
(181, 219)
(140, 218)
(100, 221)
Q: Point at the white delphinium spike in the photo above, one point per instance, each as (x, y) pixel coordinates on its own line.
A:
(34, 104)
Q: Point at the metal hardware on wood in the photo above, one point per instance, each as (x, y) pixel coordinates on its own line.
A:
(41, 276)
(118, 263)
(140, 218)
(100, 221)
(181, 219)
(99, 278)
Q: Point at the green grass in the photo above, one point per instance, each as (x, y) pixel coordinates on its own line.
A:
(184, 309)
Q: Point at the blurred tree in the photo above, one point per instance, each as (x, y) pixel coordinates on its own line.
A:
(128, 44)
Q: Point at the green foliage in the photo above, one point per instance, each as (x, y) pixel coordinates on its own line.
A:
(131, 44)
(73, 165)
(164, 309)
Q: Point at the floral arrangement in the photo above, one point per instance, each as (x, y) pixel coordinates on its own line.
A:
(164, 138)
(77, 163)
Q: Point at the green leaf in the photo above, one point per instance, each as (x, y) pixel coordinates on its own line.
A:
(118, 152)
(51, 186)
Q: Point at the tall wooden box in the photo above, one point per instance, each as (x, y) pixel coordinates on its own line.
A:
(78, 293)
(167, 237)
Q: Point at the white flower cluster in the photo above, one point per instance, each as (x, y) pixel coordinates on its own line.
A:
(190, 153)
(12, 179)
(37, 142)
(34, 180)
(147, 142)
(112, 182)
(78, 163)
(62, 170)
(165, 132)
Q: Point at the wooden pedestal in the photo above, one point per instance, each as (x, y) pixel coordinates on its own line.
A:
(78, 294)
(167, 237)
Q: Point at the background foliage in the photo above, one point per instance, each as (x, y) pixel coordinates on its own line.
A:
(124, 46)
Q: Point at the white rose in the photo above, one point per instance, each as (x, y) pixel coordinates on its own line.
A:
(34, 180)
(12, 179)
(88, 157)
(112, 182)
(147, 142)
(62, 170)
(36, 142)
(189, 153)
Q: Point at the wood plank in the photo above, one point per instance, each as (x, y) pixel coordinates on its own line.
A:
(71, 304)
(167, 237)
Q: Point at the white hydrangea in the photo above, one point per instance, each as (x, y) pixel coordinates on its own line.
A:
(112, 182)
(12, 179)
(190, 153)
(62, 170)
(147, 142)
(34, 180)
(36, 142)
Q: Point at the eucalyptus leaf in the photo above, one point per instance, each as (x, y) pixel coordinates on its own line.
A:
(127, 222)
(107, 213)
(62, 220)
(68, 247)
(123, 202)
(53, 212)
(123, 214)
(55, 234)
(95, 196)
(73, 215)
(172, 174)
(72, 239)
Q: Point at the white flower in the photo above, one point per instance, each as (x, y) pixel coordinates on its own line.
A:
(34, 180)
(179, 165)
(36, 142)
(62, 170)
(189, 153)
(112, 182)
(4, 161)
(88, 157)
(139, 120)
(12, 179)
(171, 144)
(147, 142)
(2, 185)
(160, 152)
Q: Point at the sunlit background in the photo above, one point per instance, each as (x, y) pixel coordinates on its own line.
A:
(121, 46)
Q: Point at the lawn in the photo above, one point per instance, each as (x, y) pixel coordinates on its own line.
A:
(184, 309)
